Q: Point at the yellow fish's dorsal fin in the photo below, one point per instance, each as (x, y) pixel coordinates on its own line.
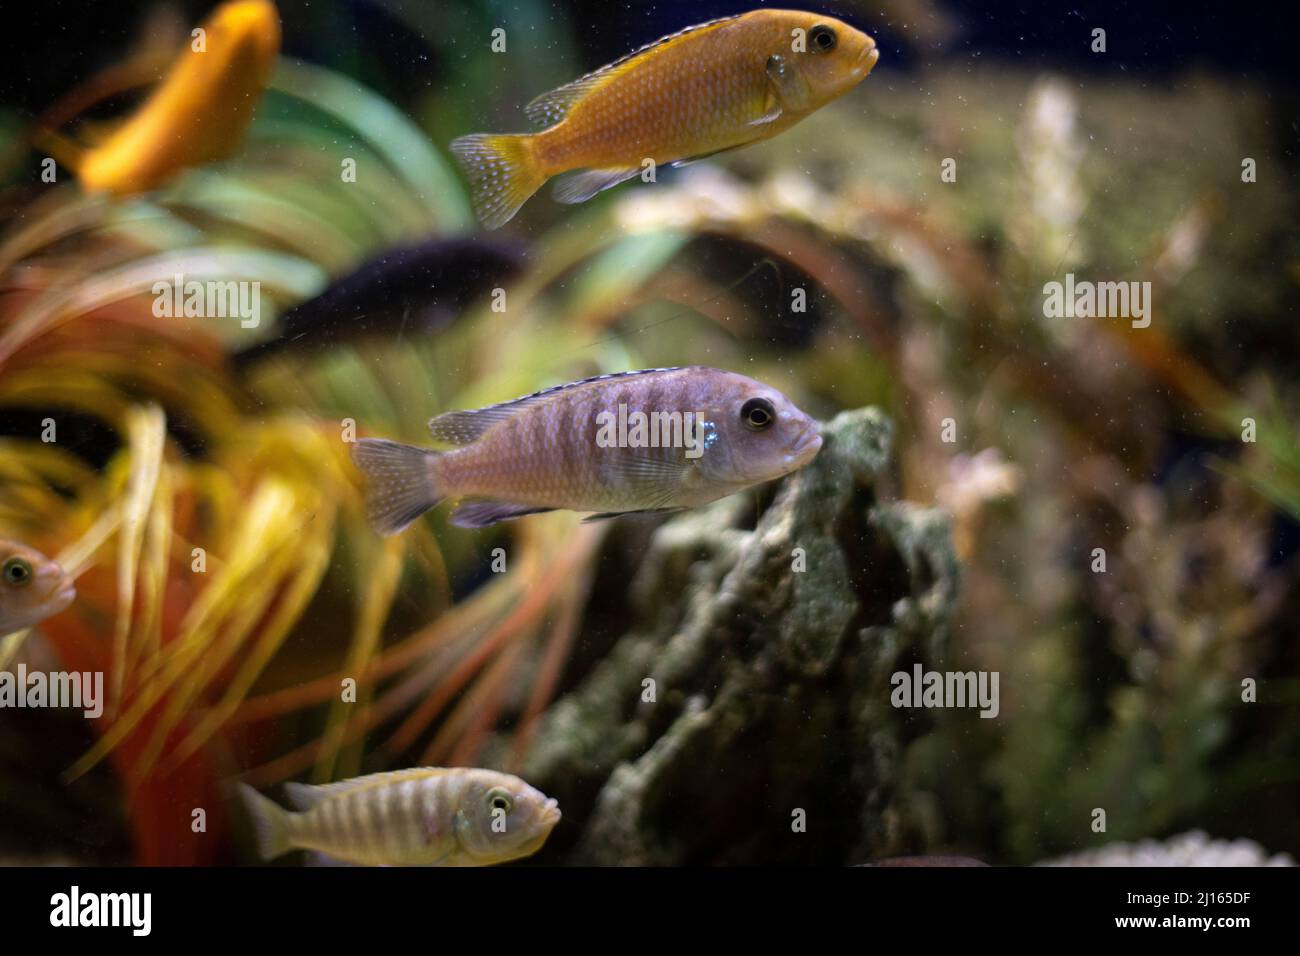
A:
(549, 108)
(304, 796)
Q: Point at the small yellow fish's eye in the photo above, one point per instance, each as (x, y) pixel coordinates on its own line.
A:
(823, 38)
(758, 413)
(17, 572)
(499, 799)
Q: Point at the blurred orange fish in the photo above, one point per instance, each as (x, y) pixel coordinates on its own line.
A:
(199, 112)
(709, 88)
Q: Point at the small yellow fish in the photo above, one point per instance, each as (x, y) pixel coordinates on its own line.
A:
(198, 113)
(32, 587)
(650, 440)
(709, 88)
(429, 816)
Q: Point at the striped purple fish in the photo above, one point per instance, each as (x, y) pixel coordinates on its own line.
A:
(644, 441)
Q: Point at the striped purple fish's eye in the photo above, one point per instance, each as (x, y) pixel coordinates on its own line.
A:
(758, 414)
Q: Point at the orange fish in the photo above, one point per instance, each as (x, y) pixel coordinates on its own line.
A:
(199, 112)
(710, 88)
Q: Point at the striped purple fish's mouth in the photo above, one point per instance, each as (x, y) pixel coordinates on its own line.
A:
(806, 448)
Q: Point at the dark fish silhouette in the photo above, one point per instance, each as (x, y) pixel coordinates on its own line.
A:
(410, 290)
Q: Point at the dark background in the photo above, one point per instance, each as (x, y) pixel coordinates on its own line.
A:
(49, 46)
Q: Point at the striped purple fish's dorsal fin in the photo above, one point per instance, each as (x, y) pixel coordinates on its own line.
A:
(467, 427)
(304, 796)
(549, 108)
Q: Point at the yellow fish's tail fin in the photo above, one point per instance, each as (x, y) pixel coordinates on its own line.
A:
(399, 482)
(270, 823)
(502, 173)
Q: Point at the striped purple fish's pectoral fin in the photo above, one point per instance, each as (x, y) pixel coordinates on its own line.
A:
(549, 108)
(581, 186)
(480, 514)
(660, 473)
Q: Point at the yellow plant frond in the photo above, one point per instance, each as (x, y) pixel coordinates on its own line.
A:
(146, 436)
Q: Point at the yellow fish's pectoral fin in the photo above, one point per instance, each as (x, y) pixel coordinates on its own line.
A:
(774, 113)
(549, 108)
(502, 174)
(581, 186)
(677, 164)
(787, 91)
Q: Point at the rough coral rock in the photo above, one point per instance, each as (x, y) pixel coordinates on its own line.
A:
(746, 717)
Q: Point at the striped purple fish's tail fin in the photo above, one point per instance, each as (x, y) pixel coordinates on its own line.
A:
(502, 174)
(399, 482)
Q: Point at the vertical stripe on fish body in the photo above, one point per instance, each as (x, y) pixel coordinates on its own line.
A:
(565, 448)
(709, 88)
(546, 453)
(422, 817)
(399, 822)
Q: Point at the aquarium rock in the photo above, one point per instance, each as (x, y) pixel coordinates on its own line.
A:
(751, 703)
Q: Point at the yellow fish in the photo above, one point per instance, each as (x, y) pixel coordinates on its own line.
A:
(712, 87)
(32, 587)
(198, 113)
(429, 816)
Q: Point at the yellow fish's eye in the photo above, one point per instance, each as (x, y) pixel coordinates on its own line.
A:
(499, 799)
(823, 38)
(17, 572)
(757, 414)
